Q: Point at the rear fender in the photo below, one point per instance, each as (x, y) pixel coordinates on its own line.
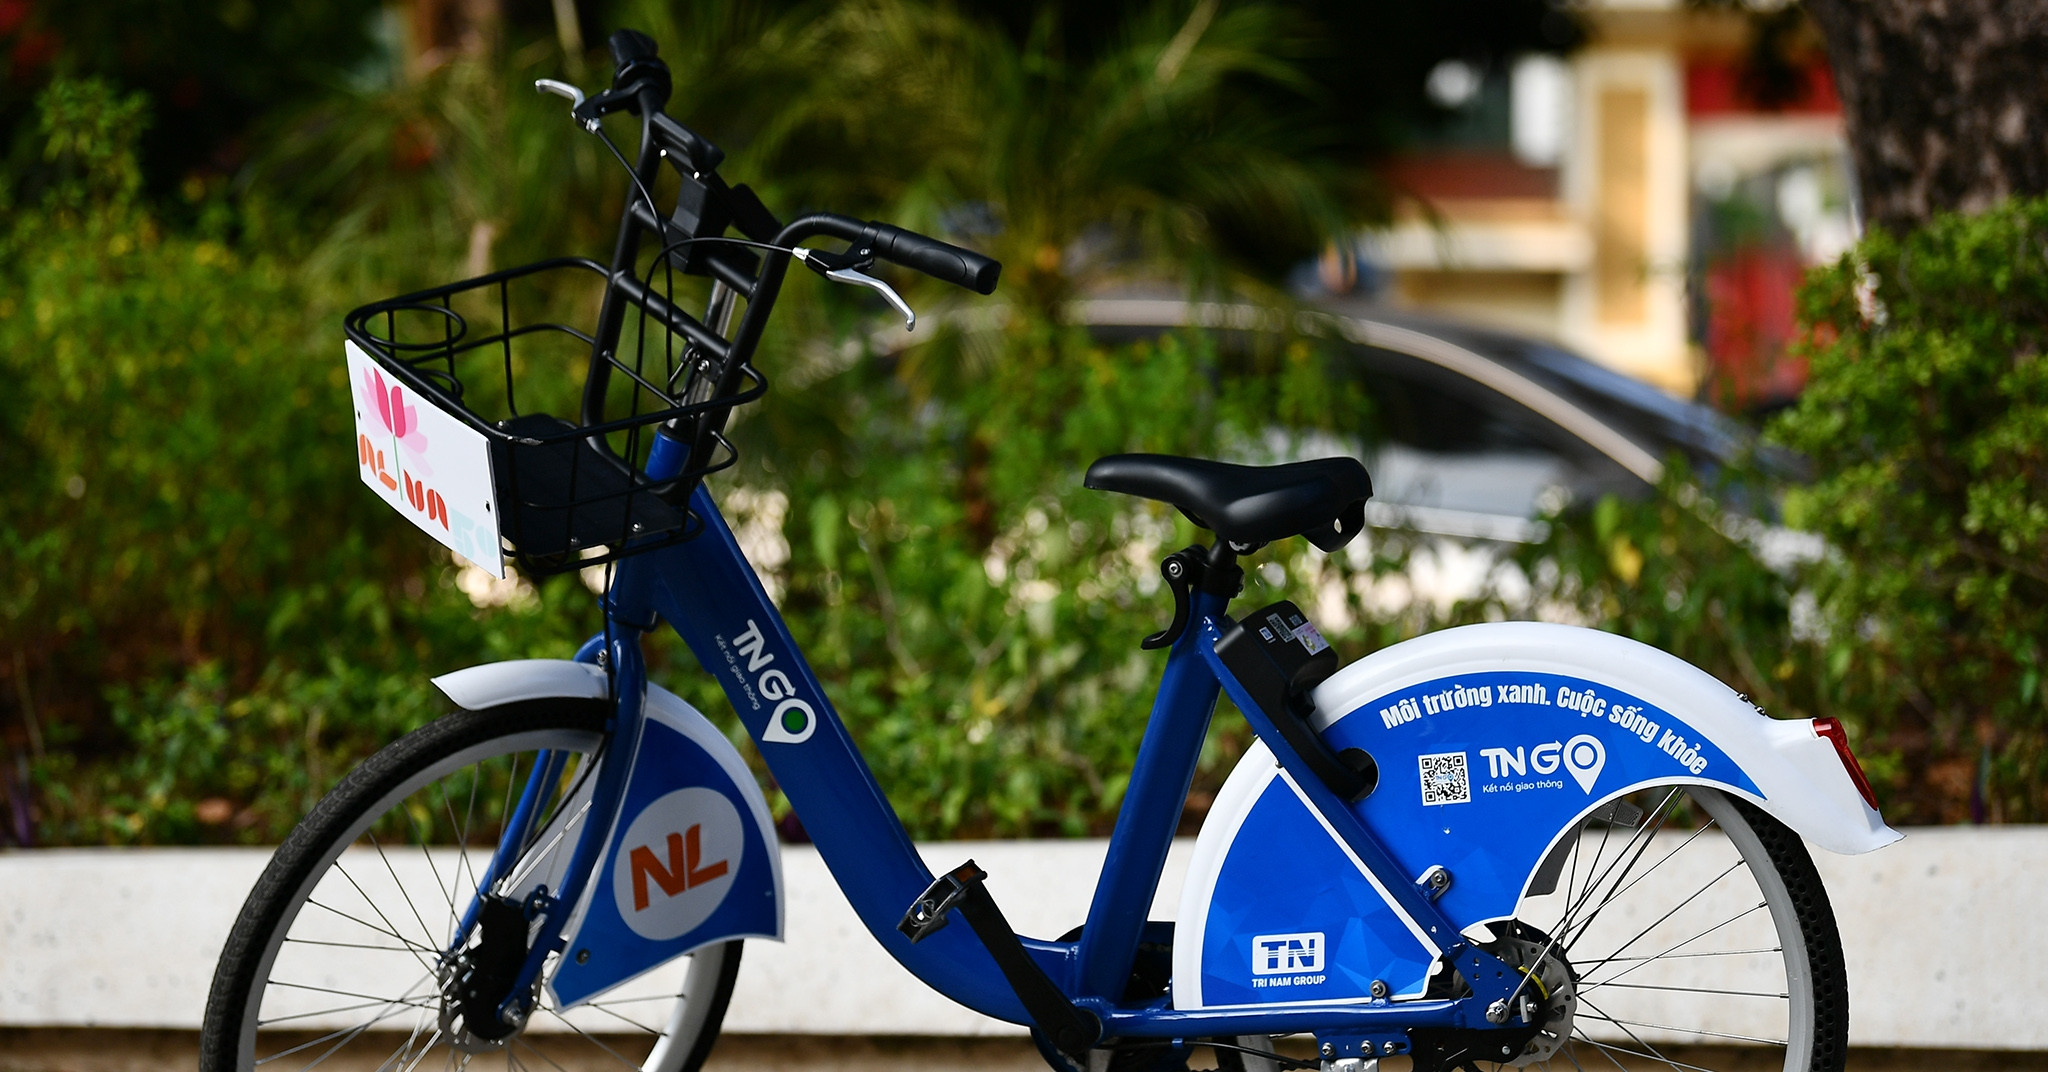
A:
(1493, 743)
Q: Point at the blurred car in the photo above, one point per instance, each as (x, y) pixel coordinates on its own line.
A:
(1476, 432)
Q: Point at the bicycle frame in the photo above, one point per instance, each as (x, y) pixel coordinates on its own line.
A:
(706, 590)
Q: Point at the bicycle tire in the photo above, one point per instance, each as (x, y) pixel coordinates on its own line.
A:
(314, 867)
(1695, 974)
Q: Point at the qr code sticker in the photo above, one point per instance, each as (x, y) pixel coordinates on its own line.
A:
(1444, 779)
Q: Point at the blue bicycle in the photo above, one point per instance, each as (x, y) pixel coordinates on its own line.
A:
(1513, 844)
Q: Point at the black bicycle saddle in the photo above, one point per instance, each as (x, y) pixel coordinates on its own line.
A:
(1323, 499)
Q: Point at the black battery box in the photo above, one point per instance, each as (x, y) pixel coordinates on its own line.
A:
(1279, 656)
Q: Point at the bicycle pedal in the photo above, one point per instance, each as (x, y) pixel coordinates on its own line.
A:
(929, 913)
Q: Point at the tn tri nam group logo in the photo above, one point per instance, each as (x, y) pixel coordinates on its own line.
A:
(1287, 954)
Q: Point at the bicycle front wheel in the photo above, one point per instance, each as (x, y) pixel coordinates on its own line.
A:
(1687, 930)
(338, 957)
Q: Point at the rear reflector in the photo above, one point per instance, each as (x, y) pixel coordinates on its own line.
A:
(1833, 731)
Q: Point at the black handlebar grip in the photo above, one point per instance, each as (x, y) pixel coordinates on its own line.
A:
(937, 259)
(631, 46)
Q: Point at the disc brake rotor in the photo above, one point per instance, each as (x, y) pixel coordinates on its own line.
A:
(1549, 995)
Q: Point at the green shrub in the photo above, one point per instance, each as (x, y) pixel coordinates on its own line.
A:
(197, 599)
(1927, 422)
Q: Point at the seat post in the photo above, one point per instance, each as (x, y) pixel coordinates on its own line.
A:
(1221, 575)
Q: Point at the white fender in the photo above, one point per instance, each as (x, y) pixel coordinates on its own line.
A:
(491, 684)
(680, 767)
(1803, 782)
(1492, 742)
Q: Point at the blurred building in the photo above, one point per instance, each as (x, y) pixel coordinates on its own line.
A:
(1650, 201)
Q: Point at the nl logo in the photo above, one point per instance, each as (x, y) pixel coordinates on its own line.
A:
(677, 861)
(1288, 959)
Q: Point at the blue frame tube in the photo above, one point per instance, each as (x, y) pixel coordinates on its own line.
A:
(629, 692)
(547, 770)
(519, 827)
(1149, 815)
(710, 595)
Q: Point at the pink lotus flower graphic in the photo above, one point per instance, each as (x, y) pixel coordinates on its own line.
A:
(400, 419)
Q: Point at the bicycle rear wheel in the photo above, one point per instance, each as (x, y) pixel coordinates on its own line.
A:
(337, 956)
(1688, 930)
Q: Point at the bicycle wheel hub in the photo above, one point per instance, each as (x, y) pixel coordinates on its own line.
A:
(479, 979)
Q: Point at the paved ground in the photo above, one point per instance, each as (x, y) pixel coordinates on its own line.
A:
(86, 1050)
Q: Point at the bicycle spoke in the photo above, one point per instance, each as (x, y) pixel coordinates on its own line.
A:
(1708, 885)
(1660, 860)
(393, 931)
(336, 993)
(1608, 1050)
(447, 891)
(410, 1038)
(425, 1048)
(1601, 1014)
(1595, 877)
(1598, 1014)
(510, 788)
(532, 860)
(1709, 953)
(538, 1052)
(592, 1039)
(625, 1019)
(399, 1003)
(410, 945)
(1646, 835)
(463, 865)
(1683, 990)
(351, 1037)
(630, 1001)
(1564, 925)
(1572, 894)
(403, 891)
(1604, 1053)
(1592, 965)
(348, 945)
(351, 1032)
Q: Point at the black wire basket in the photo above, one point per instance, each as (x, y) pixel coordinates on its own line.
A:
(570, 493)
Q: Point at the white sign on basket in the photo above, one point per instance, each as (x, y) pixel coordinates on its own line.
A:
(428, 465)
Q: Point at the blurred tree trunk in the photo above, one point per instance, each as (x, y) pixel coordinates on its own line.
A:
(441, 30)
(1946, 101)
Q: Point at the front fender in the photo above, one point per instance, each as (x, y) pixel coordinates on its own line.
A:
(477, 687)
(692, 857)
(1492, 743)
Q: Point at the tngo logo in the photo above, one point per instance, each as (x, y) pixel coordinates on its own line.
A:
(1285, 954)
(793, 720)
(1582, 757)
(676, 862)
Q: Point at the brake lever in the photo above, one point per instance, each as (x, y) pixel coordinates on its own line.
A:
(831, 267)
(574, 95)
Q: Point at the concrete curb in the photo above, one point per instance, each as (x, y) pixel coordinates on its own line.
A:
(128, 937)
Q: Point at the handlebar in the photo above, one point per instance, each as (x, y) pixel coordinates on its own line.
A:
(941, 260)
